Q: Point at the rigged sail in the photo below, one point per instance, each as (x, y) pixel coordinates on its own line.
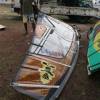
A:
(51, 58)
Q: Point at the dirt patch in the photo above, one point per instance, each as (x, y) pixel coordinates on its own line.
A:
(13, 46)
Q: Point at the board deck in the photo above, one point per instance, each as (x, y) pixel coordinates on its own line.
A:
(93, 53)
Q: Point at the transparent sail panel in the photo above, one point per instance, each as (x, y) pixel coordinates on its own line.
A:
(53, 39)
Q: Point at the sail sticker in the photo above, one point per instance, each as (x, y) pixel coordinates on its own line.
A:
(46, 72)
(96, 30)
(97, 42)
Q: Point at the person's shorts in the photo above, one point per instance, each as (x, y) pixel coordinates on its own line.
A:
(28, 18)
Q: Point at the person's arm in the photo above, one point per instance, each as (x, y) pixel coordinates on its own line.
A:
(21, 2)
(36, 4)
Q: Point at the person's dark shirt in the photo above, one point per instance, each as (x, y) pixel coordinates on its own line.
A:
(27, 7)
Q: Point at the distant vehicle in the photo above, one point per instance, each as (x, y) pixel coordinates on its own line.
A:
(73, 8)
(71, 3)
(96, 4)
(80, 3)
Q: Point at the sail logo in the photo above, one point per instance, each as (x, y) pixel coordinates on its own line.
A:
(46, 72)
(97, 42)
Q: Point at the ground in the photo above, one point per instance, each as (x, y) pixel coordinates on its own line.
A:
(13, 47)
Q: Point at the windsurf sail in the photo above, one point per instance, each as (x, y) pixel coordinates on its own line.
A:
(51, 58)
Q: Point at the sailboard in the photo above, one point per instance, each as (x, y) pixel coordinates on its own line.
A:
(50, 61)
(93, 54)
(2, 27)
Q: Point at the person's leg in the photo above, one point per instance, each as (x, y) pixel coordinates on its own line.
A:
(35, 17)
(25, 24)
(34, 22)
(33, 26)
